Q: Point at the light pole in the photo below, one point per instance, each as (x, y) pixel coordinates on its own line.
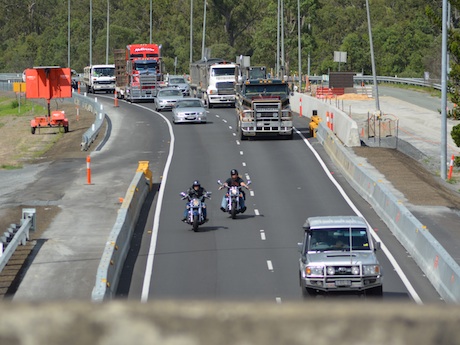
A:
(108, 29)
(377, 104)
(299, 44)
(191, 31)
(68, 33)
(278, 41)
(90, 32)
(204, 32)
(444, 92)
(151, 13)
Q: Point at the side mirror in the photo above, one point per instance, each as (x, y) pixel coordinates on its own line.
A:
(249, 182)
(300, 247)
(219, 182)
(182, 194)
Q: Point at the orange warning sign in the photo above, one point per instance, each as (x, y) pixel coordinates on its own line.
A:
(48, 82)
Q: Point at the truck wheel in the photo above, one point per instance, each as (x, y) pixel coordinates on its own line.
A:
(66, 129)
(32, 130)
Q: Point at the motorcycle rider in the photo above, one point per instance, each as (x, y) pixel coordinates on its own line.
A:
(196, 191)
(234, 180)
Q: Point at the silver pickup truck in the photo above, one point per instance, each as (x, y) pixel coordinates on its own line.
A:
(338, 254)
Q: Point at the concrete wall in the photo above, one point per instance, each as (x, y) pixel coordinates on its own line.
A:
(344, 127)
(119, 241)
(200, 322)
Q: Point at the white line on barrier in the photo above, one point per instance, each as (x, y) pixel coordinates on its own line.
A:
(390, 257)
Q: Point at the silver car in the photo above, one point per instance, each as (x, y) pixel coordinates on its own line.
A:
(338, 254)
(166, 98)
(189, 110)
(180, 83)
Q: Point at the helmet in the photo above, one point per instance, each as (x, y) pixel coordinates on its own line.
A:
(196, 183)
(234, 172)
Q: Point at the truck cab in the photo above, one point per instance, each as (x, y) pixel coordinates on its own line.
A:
(337, 254)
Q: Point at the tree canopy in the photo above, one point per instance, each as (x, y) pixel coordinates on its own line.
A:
(405, 36)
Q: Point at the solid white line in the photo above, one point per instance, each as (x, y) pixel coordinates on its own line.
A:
(390, 257)
(156, 219)
(269, 265)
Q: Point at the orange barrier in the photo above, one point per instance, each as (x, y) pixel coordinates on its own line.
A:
(300, 110)
(451, 167)
(332, 121)
(88, 169)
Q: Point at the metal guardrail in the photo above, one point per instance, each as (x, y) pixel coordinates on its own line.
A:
(93, 106)
(13, 237)
(367, 79)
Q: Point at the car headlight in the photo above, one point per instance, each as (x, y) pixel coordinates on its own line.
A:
(314, 270)
(355, 270)
(330, 270)
(201, 113)
(371, 270)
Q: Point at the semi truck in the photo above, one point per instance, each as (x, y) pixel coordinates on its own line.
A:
(99, 78)
(139, 72)
(263, 108)
(213, 80)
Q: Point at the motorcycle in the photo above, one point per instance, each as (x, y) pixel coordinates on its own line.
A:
(195, 207)
(233, 195)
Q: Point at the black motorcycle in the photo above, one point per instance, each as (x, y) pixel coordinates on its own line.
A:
(195, 209)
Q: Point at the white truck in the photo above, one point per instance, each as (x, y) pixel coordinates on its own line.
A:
(213, 80)
(99, 78)
(338, 254)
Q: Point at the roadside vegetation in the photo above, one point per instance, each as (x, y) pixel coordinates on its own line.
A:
(406, 37)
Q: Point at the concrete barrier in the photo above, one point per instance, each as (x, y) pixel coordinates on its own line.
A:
(345, 128)
(439, 267)
(119, 241)
(199, 322)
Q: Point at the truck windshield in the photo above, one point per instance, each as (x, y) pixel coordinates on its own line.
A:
(338, 239)
(103, 72)
(146, 67)
(223, 71)
(266, 89)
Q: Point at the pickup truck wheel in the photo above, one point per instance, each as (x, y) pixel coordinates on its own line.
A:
(66, 129)
(32, 130)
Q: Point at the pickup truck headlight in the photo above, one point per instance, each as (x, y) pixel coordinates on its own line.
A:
(371, 270)
(314, 270)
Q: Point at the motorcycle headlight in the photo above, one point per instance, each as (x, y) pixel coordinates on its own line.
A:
(196, 202)
(371, 270)
(234, 192)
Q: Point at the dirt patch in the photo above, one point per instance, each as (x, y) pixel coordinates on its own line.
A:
(18, 146)
(411, 178)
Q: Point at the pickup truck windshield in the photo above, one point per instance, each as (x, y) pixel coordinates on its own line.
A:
(341, 239)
